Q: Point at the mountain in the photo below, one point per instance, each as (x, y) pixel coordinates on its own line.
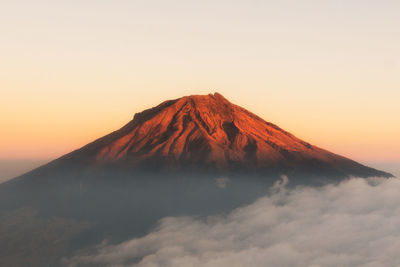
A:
(207, 132)
(194, 156)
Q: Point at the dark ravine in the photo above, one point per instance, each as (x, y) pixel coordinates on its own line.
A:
(165, 162)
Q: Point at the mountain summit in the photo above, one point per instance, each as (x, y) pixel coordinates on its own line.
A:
(207, 132)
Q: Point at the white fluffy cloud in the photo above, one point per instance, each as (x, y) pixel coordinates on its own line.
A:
(355, 223)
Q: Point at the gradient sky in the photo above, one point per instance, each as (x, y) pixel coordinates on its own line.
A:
(327, 71)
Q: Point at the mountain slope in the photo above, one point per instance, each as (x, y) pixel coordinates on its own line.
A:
(209, 132)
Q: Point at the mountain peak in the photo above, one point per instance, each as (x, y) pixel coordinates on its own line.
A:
(209, 132)
(206, 100)
(218, 97)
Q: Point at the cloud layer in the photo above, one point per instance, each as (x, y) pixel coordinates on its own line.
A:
(355, 223)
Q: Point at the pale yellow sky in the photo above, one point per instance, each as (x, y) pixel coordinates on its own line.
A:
(327, 71)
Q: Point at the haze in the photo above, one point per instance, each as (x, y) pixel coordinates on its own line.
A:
(73, 71)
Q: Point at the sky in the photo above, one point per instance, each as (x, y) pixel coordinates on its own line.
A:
(73, 71)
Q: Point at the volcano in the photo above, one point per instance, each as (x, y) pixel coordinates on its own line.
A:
(207, 132)
(194, 156)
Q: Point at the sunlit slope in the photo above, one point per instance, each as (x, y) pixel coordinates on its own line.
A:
(208, 132)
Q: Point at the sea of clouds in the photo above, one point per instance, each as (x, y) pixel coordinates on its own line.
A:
(354, 223)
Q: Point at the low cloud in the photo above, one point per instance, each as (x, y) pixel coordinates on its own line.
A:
(355, 223)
